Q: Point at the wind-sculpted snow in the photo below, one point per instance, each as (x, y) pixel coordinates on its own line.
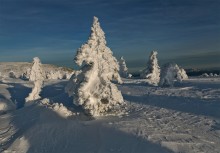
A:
(37, 76)
(91, 87)
(152, 71)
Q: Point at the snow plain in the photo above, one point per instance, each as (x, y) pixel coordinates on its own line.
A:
(184, 118)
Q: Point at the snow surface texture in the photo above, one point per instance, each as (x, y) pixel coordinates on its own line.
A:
(169, 73)
(92, 87)
(123, 68)
(152, 71)
(37, 76)
(180, 119)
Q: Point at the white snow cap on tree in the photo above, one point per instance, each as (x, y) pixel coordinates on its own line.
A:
(169, 74)
(91, 87)
(123, 68)
(36, 75)
(152, 71)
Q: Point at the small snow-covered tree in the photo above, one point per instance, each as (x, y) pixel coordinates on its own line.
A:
(152, 71)
(36, 72)
(182, 74)
(123, 68)
(169, 74)
(91, 87)
(37, 76)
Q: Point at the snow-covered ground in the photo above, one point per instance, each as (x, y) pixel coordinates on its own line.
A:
(184, 118)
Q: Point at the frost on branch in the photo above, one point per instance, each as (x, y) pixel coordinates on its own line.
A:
(123, 68)
(152, 71)
(169, 73)
(37, 76)
(91, 87)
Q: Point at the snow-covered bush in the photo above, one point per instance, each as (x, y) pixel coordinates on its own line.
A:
(68, 75)
(169, 74)
(91, 87)
(152, 71)
(26, 74)
(54, 75)
(36, 75)
(11, 74)
(204, 75)
(123, 68)
(59, 74)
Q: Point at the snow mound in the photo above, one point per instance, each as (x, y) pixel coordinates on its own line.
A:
(5, 99)
(91, 87)
(59, 108)
(6, 105)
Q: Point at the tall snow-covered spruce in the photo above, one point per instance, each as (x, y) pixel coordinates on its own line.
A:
(152, 71)
(91, 87)
(123, 68)
(37, 76)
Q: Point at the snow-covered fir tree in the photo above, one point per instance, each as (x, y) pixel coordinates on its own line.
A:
(37, 76)
(91, 87)
(36, 72)
(169, 74)
(123, 68)
(152, 71)
(182, 74)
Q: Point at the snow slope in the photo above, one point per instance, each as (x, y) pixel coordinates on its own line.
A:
(184, 118)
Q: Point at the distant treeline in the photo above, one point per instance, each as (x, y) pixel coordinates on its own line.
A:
(190, 72)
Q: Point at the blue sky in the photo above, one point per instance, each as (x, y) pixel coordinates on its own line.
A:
(183, 31)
